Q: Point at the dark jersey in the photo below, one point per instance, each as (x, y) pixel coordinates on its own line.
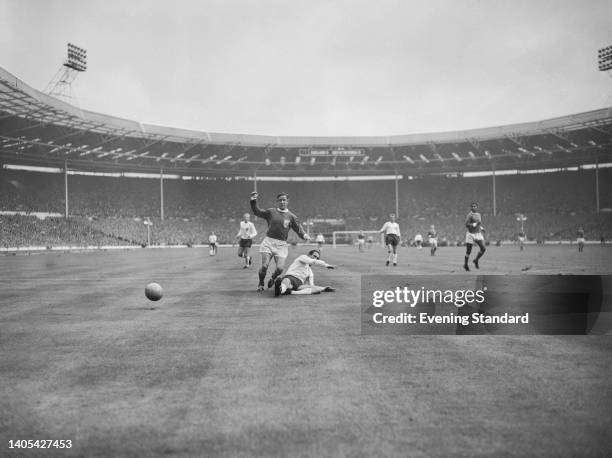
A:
(432, 234)
(279, 222)
(580, 233)
(473, 217)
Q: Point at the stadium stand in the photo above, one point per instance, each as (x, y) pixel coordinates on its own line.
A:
(112, 210)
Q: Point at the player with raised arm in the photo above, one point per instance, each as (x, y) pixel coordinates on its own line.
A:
(392, 239)
(246, 233)
(432, 236)
(474, 235)
(274, 244)
(299, 278)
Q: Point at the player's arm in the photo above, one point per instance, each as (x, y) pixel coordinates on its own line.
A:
(253, 230)
(319, 262)
(305, 259)
(384, 228)
(297, 228)
(255, 208)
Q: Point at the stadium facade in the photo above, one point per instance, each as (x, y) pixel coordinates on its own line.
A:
(36, 129)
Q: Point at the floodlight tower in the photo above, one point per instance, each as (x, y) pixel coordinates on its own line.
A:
(61, 84)
(604, 56)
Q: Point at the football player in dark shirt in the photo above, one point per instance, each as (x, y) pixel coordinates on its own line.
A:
(274, 245)
(473, 223)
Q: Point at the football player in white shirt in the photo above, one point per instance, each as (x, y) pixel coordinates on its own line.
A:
(392, 239)
(361, 241)
(299, 278)
(418, 241)
(246, 233)
(320, 239)
(432, 236)
(212, 243)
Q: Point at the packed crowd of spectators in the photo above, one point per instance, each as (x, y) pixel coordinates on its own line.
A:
(23, 230)
(110, 210)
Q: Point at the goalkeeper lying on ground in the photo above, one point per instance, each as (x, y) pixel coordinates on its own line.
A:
(299, 278)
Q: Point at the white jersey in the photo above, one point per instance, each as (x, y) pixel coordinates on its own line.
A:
(418, 238)
(391, 228)
(212, 239)
(320, 239)
(247, 230)
(300, 268)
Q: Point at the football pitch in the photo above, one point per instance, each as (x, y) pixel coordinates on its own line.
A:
(216, 369)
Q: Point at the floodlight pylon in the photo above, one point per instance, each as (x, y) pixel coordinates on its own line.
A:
(60, 85)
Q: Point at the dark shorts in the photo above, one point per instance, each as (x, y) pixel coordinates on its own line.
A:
(245, 243)
(212, 245)
(391, 239)
(295, 282)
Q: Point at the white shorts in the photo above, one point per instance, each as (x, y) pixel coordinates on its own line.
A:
(580, 240)
(473, 238)
(433, 241)
(276, 248)
(521, 239)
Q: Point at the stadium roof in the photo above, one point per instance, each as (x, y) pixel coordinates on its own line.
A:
(38, 129)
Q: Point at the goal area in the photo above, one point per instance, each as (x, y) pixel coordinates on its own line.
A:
(350, 237)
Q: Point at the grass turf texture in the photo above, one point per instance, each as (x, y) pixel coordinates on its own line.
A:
(215, 368)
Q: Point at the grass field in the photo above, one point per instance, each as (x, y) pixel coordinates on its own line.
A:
(216, 369)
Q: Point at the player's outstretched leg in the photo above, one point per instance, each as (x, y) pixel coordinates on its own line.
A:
(307, 289)
(388, 255)
(312, 289)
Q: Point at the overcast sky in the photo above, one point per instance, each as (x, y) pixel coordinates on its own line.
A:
(335, 67)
